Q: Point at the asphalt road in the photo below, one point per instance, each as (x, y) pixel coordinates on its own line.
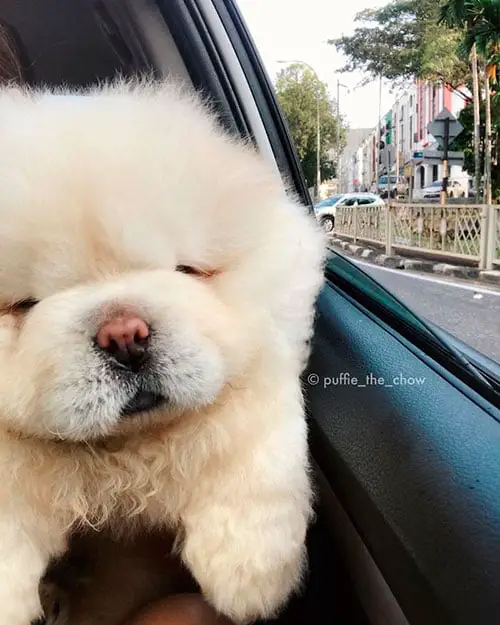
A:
(469, 311)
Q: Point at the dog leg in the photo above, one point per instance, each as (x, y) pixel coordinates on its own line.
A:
(245, 531)
(24, 555)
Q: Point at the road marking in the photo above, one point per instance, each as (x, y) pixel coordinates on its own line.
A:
(408, 274)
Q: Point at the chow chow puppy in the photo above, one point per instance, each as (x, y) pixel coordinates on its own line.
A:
(157, 290)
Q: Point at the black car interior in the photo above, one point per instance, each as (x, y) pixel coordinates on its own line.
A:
(408, 476)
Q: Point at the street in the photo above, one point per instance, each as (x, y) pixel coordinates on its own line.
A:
(469, 311)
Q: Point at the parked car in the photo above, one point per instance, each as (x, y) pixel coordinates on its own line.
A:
(433, 190)
(392, 186)
(326, 214)
(361, 199)
(325, 211)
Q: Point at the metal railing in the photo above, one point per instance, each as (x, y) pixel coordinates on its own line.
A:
(494, 238)
(469, 231)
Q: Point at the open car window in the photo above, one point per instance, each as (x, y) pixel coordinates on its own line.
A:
(448, 242)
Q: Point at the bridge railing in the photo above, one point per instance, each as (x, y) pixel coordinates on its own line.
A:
(469, 231)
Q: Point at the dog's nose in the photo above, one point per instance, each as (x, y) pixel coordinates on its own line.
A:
(126, 339)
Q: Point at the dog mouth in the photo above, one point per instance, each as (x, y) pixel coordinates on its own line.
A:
(143, 401)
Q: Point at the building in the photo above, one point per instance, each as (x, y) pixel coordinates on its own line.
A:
(352, 160)
(402, 128)
(429, 100)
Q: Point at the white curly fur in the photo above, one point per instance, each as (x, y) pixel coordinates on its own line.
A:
(101, 197)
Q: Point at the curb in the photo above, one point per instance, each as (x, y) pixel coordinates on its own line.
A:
(491, 276)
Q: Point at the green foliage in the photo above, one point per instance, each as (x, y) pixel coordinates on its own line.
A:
(479, 21)
(465, 141)
(403, 41)
(298, 88)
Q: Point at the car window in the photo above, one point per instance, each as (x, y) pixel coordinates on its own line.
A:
(329, 201)
(371, 110)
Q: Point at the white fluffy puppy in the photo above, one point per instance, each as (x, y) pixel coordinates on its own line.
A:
(156, 298)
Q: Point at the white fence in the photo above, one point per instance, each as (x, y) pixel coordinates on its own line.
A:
(470, 232)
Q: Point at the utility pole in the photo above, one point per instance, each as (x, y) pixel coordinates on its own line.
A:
(377, 141)
(397, 139)
(387, 158)
(477, 122)
(487, 140)
(339, 178)
(339, 151)
(446, 141)
(318, 143)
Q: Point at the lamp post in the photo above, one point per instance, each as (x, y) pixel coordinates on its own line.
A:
(317, 183)
(377, 146)
(339, 177)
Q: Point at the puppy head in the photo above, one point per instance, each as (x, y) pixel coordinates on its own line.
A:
(146, 261)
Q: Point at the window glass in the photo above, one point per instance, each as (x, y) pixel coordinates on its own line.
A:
(373, 116)
(329, 201)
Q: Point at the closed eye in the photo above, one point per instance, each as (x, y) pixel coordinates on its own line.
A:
(194, 271)
(24, 305)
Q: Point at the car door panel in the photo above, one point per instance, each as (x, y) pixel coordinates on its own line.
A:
(416, 467)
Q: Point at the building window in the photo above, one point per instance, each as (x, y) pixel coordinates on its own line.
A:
(435, 173)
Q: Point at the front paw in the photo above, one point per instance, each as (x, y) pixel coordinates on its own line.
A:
(246, 582)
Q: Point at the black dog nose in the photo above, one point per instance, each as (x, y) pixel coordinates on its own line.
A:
(131, 355)
(126, 339)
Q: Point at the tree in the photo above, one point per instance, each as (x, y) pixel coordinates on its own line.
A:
(480, 21)
(298, 89)
(454, 14)
(465, 141)
(484, 34)
(403, 41)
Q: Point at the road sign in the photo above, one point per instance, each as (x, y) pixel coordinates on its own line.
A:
(444, 128)
(437, 127)
(435, 157)
(418, 155)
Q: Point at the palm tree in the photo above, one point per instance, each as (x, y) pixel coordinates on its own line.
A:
(455, 14)
(481, 20)
(485, 36)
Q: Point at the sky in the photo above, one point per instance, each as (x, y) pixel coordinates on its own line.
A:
(288, 30)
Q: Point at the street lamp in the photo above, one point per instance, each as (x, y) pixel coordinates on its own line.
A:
(378, 139)
(339, 84)
(318, 127)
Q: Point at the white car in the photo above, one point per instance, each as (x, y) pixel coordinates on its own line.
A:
(433, 190)
(326, 210)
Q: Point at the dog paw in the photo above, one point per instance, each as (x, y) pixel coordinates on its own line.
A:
(248, 587)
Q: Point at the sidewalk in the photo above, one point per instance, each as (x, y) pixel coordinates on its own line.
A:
(428, 266)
